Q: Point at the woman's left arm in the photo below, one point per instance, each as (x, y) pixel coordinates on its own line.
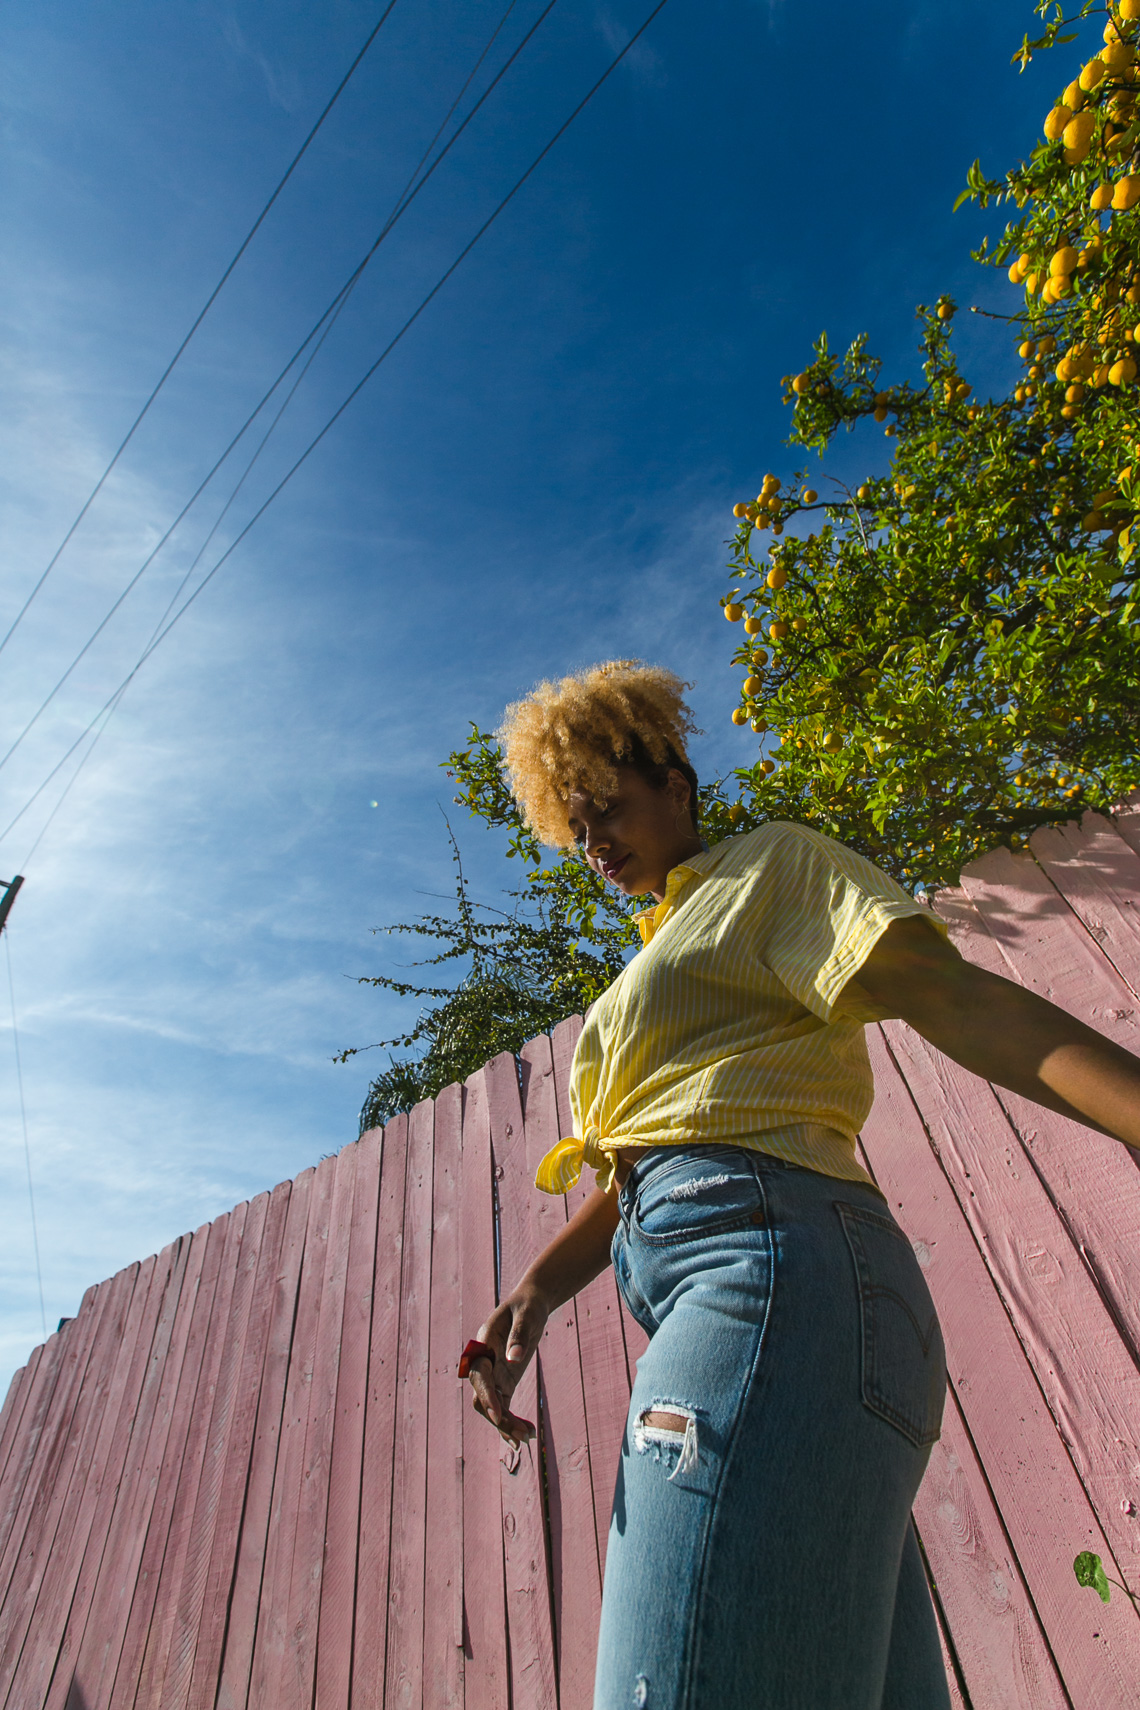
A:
(1001, 1031)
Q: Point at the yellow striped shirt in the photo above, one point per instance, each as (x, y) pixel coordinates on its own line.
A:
(724, 1027)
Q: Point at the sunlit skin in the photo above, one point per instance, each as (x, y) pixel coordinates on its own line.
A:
(996, 1029)
(639, 835)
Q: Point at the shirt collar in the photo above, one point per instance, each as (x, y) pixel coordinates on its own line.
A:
(649, 919)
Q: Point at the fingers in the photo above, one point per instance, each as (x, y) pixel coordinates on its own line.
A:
(513, 1331)
(509, 1426)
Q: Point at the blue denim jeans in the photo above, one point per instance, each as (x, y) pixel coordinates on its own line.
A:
(763, 1558)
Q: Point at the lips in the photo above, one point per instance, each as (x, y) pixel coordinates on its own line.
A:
(611, 869)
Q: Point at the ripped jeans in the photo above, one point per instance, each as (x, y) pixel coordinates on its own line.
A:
(763, 1557)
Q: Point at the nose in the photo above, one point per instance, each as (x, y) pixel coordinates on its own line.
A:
(596, 842)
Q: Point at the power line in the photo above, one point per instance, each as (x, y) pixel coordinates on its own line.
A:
(165, 630)
(27, 1146)
(403, 203)
(200, 317)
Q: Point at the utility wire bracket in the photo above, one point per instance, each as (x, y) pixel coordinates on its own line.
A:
(9, 897)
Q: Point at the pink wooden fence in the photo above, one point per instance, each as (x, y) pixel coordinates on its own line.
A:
(245, 1473)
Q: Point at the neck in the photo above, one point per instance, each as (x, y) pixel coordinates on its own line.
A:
(685, 850)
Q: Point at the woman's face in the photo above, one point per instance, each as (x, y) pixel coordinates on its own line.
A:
(639, 835)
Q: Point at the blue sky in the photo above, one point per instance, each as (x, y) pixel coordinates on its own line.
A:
(540, 476)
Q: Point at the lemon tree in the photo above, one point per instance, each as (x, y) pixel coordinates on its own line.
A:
(942, 657)
(949, 655)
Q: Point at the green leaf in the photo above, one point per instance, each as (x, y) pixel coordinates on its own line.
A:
(1090, 1572)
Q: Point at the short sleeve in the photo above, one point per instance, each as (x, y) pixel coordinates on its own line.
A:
(825, 910)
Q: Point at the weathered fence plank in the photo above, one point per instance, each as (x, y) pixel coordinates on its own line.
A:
(529, 1621)
(1098, 875)
(92, 1490)
(338, 1585)
(47, 1675)
(186, 1474)
(178, 1427)
(575, 1573)
(443, 1592)
(404, 1672)
(1005, 1659)
(485, 1674)
(306, 1577)
(249, 1565)
(204, 1633)
(62, 1475)
(370, 1631)
(98, 1655)
(184, 1591)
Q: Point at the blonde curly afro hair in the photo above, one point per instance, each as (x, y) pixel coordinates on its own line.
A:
(572, 736)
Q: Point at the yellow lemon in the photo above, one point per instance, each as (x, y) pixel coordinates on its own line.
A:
(1077, 137)
(1056, 121)
(1031, 282)
(753, 625)
(1130, 9)
(1093, 73)
(733, 613)
(1122, 373)
(809, 496)
(833, 742)
(1092, 522)
(799, 623)
(1126, 193)
(777, 576)
(1063, 260)
(759, 658)
(739, 716)
(1074, 393)
(801, 384)
(753, 685)
(1114, 56)
(945, 311)
(1047, 346)
(864, 493)
(740, 510)
(880, 414)
(771, 485)
(1074, 97)
(1026, 350)
(1101, 198)
(778, 630)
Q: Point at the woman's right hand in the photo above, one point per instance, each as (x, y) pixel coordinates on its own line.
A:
(514, 1331)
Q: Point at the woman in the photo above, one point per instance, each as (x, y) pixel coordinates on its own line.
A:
(760, 1552)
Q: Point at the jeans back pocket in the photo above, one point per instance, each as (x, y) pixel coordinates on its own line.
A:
(904, 1362)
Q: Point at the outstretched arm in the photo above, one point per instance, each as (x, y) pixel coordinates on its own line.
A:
(1001, 1031)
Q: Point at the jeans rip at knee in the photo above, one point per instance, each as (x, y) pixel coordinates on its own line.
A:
(669, 1431)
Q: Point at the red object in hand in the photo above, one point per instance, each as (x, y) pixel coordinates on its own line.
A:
(480, 1351)
(474, 1351)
